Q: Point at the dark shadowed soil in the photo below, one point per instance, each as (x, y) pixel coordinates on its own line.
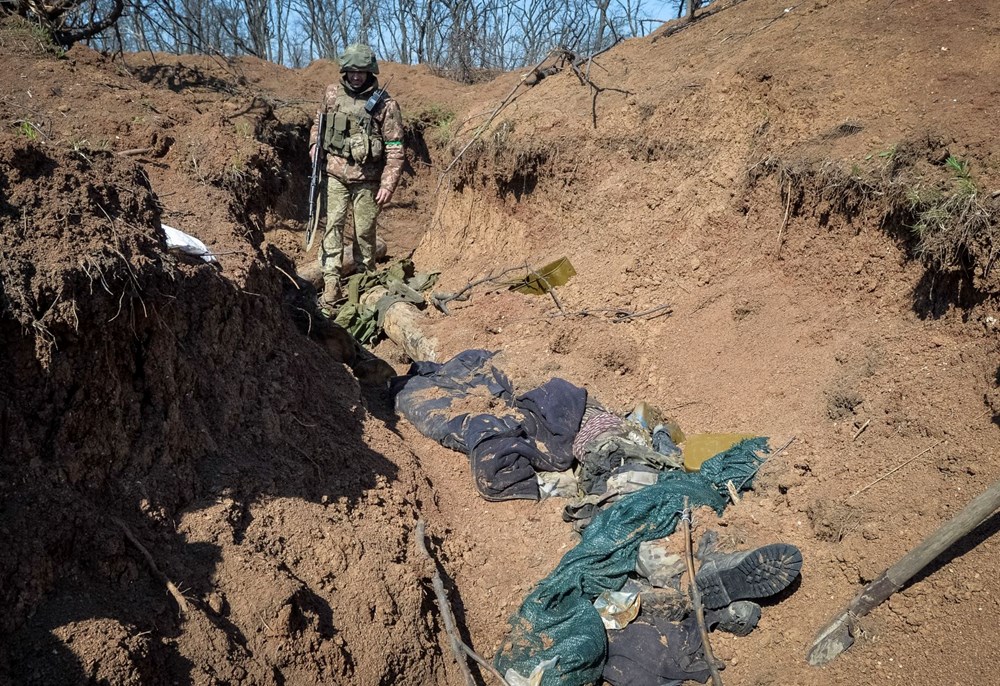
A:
(164, 419)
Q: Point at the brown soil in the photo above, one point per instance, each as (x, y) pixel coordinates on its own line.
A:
(751, 171)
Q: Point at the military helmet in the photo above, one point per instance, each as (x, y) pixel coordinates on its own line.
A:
(358, 57)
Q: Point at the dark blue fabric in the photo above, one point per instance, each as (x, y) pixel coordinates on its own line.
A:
(502, 456)
(428, 393)
(654, 652)
(552, 414)
(502, 450)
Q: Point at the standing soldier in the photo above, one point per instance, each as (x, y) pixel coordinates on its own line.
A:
(363, 144)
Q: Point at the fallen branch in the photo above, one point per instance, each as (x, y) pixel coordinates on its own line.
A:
(861, 430)
(179, 598)
(699, 611)
(595, 91)
(458, 647)
(493, 115)
(441, 300)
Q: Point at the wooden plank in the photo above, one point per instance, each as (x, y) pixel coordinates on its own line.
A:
(838, 635)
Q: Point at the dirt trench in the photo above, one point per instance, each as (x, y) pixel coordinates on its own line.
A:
(166, 424)
(279, 495)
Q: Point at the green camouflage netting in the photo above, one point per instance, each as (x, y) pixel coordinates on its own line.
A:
(558, 619)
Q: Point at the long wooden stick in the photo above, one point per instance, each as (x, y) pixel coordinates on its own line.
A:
(458, 647)
(838, 635)
(699, 611)
(182, 603)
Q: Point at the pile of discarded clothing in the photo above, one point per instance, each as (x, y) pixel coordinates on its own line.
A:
(613, 608)
(469, 405)
(553, 440)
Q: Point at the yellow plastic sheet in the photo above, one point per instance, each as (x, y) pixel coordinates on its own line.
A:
(699, 447)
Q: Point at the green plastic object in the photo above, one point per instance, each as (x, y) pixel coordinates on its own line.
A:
(540, 281)
(558, 618)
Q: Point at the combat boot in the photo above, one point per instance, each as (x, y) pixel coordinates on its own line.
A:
(331, 296)
(760, 573)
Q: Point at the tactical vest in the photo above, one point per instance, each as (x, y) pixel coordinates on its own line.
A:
(353, 133)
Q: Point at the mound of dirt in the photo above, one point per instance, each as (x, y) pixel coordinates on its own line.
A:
(164, 422)
(771, 174)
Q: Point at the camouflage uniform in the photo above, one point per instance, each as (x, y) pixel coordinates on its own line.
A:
(364, 153)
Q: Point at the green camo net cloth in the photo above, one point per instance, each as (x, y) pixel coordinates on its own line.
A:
(558, 618)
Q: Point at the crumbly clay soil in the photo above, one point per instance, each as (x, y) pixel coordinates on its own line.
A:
(169, 423)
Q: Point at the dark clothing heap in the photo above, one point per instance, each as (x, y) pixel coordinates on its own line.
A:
(548, 429)
(528, 433)
(655, 652)
(629, 487)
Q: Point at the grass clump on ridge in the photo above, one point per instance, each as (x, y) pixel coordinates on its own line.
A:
(937, 206)
(953, 221)
(434, 121)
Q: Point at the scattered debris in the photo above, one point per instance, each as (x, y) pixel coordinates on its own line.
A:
(187, 244)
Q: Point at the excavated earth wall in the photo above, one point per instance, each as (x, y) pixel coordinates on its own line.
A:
(165, 424)
(760, 173)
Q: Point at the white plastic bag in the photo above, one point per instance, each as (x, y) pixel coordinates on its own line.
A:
(187, 244)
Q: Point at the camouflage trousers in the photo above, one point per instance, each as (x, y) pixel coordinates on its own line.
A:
(338, 196)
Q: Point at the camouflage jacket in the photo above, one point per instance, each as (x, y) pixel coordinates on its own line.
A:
(386, 129)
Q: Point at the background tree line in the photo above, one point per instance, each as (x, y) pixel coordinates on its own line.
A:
(463, 38)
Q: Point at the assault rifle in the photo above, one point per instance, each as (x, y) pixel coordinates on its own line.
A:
(315, 180)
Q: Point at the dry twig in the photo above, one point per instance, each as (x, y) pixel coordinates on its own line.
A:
(896, 468)
(458, 647)
(699, 611)
(493, 115)
(769, 457)
(861, 430)
(179, 598)
(441, 300)
(733, 495)
(548, 287)
(294, 282)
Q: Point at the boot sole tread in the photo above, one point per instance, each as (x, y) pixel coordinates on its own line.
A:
(759, 573)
